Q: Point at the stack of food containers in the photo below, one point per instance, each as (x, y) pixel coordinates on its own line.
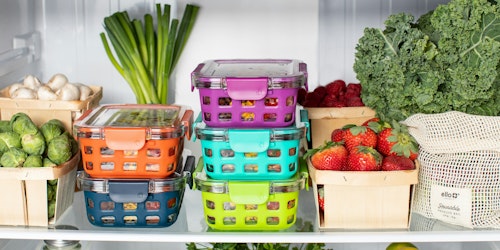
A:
(131, 156)
(249, 173)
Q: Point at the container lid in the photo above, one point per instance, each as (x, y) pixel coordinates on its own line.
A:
(174, 182)
(136, 190)
(249, 189)
(239, 73)
(134, 122)
(251, 136)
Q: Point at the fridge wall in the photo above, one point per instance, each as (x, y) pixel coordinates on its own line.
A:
(321, 33)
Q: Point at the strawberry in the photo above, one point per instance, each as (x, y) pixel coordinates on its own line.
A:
(397, 162)
(376, 124)
(354, 87)
(396, 140)
(312, 99)
(364, 159)
(337, 135)
(335, 87)
(359, 136)
(301, 96)
(320, 91)
(328, 101)
(329, 156)
(354, 102)
(321, 198)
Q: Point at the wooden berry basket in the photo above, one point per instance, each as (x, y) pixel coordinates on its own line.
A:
(324, 120)
(41, 111)
(364, 199)
(24, 200)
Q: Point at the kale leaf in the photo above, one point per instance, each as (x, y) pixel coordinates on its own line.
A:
(449, 59)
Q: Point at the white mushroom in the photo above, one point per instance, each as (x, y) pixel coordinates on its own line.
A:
(46, 93)
(13, 87)
(57, 81)
(31, 82)
(85, 91)
(68, 92)
(23, 93)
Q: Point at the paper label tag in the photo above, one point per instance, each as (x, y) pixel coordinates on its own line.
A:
(452, 205)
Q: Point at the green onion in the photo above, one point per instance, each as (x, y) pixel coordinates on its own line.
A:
(146, 57)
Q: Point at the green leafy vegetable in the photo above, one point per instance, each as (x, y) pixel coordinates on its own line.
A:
(146, 58)
(5, 126)
(59, 149)
(33, 161)
(9, 140)
(13, 158)
(33, 144)
(22, 124)
(51, 129)
(449, 59)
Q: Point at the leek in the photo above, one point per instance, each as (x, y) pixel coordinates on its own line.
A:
(146, 57)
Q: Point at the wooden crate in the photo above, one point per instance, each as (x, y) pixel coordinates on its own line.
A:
(41, 111)
(324, 120)
(364, 200)
(24, 193)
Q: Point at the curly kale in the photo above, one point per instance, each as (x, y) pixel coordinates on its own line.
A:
(448, 60)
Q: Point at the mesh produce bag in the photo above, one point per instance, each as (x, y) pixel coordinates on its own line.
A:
(459, 178)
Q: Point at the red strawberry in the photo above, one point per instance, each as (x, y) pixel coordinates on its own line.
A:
(335, 87)
(364, 159)
(329, 156)
(312, 99)
(376, 124)
(397, 162)
(367, 122)
(354, 102)
(321, 91)
(328, 101)
(359, 136)
(301, 96)
(337, 135)
(354, 87)
(321, 198)
(396, 140)
(339, 104)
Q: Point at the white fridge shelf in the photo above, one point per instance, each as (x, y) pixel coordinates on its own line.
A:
(191, 227)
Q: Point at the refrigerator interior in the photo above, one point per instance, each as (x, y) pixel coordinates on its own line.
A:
(44, 37)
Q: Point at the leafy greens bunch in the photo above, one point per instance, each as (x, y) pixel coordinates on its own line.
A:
(449, 59)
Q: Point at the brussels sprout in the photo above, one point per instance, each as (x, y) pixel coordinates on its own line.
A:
(52, 129)
(33, 144)
(52, 182)
(51, 192)
(9, 140)
(13, 158)
(5, 126)
(22, 124)
(48, 163)
(51, 208)
(59, 149)
(75, 147)
(34, 161)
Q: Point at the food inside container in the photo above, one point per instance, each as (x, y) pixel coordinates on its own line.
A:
(133, 141)
(250, 205)
(122, 203)
(249, 92)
